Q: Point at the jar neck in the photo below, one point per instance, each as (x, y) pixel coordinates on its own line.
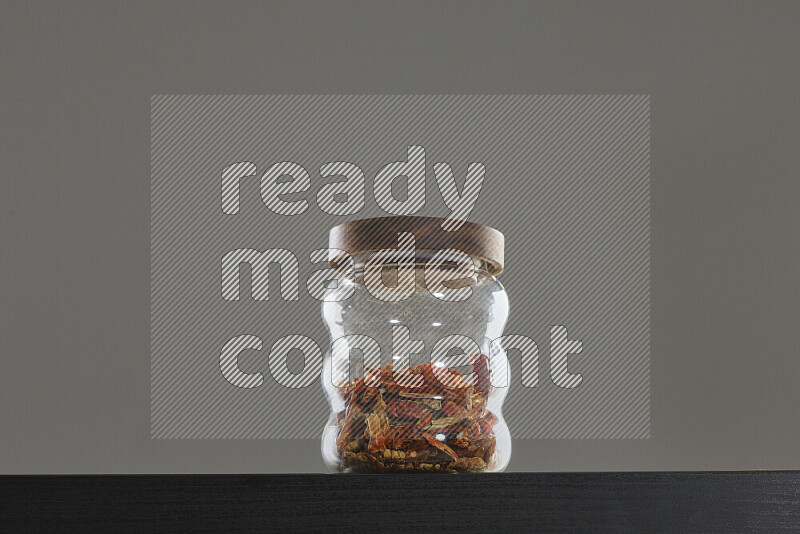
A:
(423, 266)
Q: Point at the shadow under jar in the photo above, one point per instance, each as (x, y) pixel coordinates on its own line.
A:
(413, 378)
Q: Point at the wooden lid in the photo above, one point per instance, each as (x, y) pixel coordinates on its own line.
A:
(369, 235)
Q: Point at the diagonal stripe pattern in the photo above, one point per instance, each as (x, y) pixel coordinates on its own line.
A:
(565, 178)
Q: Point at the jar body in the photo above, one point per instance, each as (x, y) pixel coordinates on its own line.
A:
(433, 402)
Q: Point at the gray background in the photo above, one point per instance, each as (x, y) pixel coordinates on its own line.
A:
(76, 85)
(567, 181)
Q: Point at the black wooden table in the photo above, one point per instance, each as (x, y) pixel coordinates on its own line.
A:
(610, 502)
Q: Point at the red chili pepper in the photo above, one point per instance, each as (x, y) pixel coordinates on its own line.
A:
(405, 410)
(425, 420)
(483, 374)
(486, 428)
(490, 418)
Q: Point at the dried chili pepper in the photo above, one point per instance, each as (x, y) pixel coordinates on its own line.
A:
(439, 445)
(405, 410)
(437, 424)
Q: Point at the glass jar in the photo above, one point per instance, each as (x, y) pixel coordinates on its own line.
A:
(421, 322)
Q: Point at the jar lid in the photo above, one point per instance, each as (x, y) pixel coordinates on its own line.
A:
(380, 233)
